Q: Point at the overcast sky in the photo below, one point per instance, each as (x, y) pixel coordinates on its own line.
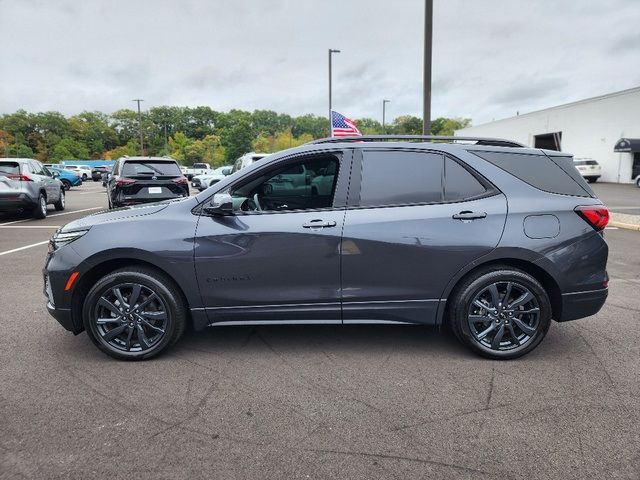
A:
(491, 57)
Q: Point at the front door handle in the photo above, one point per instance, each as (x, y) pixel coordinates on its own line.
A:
(319, 224)
(468, 215)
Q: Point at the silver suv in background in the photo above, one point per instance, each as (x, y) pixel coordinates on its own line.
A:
(27, 185)
(246, 160)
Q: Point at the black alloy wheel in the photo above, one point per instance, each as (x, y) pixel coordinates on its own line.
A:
(134, 313)
(500, 312)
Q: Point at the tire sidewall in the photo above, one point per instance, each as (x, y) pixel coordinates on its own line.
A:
(470, 289)
(113, 279)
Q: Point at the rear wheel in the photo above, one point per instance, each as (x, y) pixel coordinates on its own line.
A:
(134, 313)
(66, 184)
(60, 204)
(40, 210)
(84, 177)
(500, 313)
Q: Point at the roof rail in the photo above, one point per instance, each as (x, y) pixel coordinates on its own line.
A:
(493, 142)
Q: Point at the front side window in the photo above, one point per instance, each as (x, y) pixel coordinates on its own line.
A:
(400, 177)
(304, 185)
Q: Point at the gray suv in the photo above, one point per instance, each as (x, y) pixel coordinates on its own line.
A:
(483, 235)
(27, 185)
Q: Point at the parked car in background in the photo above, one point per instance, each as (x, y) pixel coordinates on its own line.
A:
(99, 171)
(492, 238)
(588, 168)
(67, 177)
(26, 184)
(85, 170)
(204, 181)
(197, 169)
(145, 179)
(246, 160)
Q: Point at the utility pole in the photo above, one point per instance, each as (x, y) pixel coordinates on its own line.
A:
(384, 104)
(428, 47)
(138, 100)
(330, 123)
(166, 143)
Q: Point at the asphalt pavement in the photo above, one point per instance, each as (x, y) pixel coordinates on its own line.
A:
(356, 402)
(619, 198)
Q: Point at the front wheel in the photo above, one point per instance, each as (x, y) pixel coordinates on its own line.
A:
(134, 313)
(500, 313)
(66, 184)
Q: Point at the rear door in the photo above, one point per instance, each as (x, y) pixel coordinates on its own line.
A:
(39, 174)
(414, 219)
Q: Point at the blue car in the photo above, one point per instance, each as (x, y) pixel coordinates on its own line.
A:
(67, 177)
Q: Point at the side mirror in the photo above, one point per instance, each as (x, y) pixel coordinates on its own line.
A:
(55, 174)
(221, 205)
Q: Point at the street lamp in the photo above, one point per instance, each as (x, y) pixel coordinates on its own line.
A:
(330, 52)
(138, 100)
(384, 105)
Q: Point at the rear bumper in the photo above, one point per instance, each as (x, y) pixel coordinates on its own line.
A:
(15, 201)
(582, 304)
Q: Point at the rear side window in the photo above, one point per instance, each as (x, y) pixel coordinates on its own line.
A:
(460, 184)
(566, 164)
(538, 171)
(396, 177)
(10, 168)
(150, 168)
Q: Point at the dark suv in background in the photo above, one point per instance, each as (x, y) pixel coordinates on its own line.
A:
(136, 180)
(487, 236)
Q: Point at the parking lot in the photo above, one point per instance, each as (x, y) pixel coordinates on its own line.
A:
(313, 401)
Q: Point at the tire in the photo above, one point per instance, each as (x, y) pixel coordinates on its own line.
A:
(60, 204)
(84, 177)
(40, 210)
(66, 184)
(501, 333)
(592, 179)
(638, 182)
(168, 309)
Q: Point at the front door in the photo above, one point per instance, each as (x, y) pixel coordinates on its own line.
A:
(278, 257)
(418, 219)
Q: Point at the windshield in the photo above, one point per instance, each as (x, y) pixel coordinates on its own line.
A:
(131, 169)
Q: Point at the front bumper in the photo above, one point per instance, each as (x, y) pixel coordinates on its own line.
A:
(582, 304)
(63, 316)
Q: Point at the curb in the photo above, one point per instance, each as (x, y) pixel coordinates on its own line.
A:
(625, 221)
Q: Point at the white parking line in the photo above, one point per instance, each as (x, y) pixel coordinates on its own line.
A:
(55, 215)
(29, 226)
(611, 228)
(23, 248)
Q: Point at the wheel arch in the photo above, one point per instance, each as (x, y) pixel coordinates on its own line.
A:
(99, 270)
(545, 278)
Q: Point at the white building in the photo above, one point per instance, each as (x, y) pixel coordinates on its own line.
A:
(605, 128)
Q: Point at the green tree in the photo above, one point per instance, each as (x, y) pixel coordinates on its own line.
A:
(448, 126)
(68, 148)
(237, 140)
(407, 125)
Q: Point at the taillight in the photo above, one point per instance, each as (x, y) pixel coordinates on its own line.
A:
(595, 215)
(18, 177)
(124, 181)
(180, 180)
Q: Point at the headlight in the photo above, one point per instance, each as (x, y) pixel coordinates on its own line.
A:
(61, 239)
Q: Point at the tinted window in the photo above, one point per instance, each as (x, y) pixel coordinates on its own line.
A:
(459, 184)
(151, 168)
(36, 168)
(308, 184)
(394, 177)
(539, 171)
(9, 167)
(566, 164)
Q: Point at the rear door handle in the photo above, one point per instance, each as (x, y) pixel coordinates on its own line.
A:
(319, 224)
(468, 215)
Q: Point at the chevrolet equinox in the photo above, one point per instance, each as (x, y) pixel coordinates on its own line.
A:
(486, 236)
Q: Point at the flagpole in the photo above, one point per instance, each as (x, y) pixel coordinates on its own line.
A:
(331, 50)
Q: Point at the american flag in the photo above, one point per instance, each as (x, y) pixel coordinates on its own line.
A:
(341, 126)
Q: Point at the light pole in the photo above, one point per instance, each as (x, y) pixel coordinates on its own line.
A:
(428, 47)
(384, 105)
(138, 100)
(330, 52)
